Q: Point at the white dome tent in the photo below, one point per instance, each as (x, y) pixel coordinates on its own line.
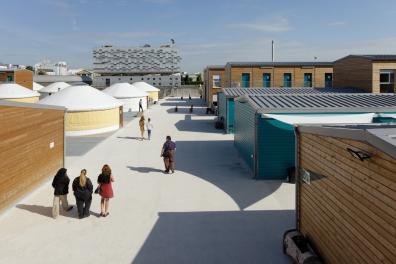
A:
(88, 110)
(129, 95)
(53, 88)
(17, 93)
(151, 90)
(37, 86)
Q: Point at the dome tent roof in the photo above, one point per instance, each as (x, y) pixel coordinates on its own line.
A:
(146, 87)
(54, 87)
(37, 86)
(81, 98)
(124, 90)
(13, 90)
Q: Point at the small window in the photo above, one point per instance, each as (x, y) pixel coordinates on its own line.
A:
(216, 81)
(153, 79)
(170, 78)
(148, 79)
(142, 78)
(159, 78)
(131, 79)
(153, 83)
(159, 84)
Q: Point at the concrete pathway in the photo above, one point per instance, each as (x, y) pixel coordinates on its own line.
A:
(209, 211)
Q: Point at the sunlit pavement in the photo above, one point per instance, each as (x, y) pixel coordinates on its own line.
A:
(208, 211)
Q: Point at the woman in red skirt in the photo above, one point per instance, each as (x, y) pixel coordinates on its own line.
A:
(106, 189)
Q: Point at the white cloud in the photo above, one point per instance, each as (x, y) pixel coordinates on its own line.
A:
(278, 24)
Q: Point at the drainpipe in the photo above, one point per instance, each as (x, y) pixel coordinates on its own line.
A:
(255, 149)
(297, 177)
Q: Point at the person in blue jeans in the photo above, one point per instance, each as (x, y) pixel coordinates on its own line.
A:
(149, 127)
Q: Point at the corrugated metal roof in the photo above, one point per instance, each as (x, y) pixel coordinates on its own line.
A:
(280, 63)
(322, 103)
(215, 67)
(235, 92)
(378, 57)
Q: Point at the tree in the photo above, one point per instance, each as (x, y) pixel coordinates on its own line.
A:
(199, 79)
(30, 68)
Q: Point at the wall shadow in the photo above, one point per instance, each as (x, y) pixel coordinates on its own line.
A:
(203, 125)
(218, 162)
(79, 146)
(217, 237)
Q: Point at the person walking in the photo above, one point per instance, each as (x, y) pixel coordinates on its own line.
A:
(82, 188)
(61, 189)
(141, 126)
(149, 127)
(168, 153)
(140, 105)
(105, 180)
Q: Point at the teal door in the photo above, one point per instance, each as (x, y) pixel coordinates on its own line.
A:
(245, 81)
(287, 80)
(266, 80)
(307, 79)
(328, 80)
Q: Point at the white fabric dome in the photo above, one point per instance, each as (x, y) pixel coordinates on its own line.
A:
(37, 86)
(81, 98)
(146, 87)
(13, 90)
(54, 87)
(124, 90)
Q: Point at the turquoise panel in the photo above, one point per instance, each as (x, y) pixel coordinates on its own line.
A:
(276, 146)
(230, 115)
(384, 120)
(245, 80)
(222, 106)
(266, 80)
(244, 127)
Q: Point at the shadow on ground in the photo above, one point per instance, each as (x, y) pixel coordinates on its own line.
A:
(224, 169)
(217, 237)
(47, 210)
(198, 125)
(144, 169)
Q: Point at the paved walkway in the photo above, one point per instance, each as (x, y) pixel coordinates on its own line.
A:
(209, 211)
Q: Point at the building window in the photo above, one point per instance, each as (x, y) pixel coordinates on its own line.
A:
(159, 78)
(159, 84)
(266, 80)
(287, 80)
(170, 78)
(119, 79)
(216, 81)
(107, 82)
(153, 83)
(10, 78)
(142, 78)
(328, 80)
(131, 79)
(148, 79)
(387, 80)
(153, 79)
(245, 80)
(307, 79)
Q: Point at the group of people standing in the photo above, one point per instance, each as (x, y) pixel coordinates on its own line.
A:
(83, 190)
(143, 125)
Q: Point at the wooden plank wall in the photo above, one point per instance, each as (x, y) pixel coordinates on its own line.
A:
(349, 208)
(353, 72)
(26, 159)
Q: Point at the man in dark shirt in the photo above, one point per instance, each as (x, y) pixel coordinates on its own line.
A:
(140, 105)
(168, 153)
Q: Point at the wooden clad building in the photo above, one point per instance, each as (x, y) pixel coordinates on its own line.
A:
(213, 78)
(346, 191)
(278, 74)
(31, 147)
(373, 73)
(18, 76)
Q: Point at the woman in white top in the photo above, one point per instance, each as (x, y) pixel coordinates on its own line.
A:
(149, 127)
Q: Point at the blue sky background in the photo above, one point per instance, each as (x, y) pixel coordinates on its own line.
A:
(206, 32)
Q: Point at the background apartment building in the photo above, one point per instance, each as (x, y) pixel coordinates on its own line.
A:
(372, 73)
(157, 66)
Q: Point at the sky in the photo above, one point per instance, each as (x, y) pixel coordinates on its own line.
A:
(205, 32)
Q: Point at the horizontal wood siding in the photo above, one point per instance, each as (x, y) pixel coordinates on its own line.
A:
(349, 208)
(244, 126)
(26, 158)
